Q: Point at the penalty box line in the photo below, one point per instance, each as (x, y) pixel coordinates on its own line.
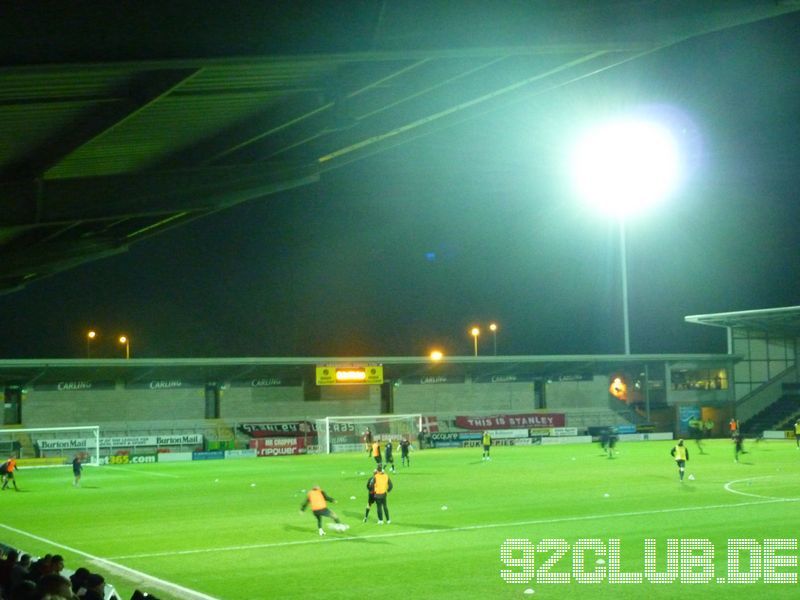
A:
(317, 540)
(163, 584)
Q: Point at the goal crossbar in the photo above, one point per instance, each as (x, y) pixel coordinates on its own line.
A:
(344, 433)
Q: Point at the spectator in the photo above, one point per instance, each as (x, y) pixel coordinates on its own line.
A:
(57, 564)
(78, 579)
(24, 590)
(41, 567)
(6, 568)
(54, 587)
(21, 570)
(95, 587)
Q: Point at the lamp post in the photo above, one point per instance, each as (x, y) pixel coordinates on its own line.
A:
(90, 335)
(622, 167)
(475, 332)
(493, 329)
(126, 341)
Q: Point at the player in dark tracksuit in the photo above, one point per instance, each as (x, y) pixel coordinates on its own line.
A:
(404, 458)
(387, 453)
(370, 494)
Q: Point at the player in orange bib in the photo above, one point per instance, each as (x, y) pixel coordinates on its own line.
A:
(318, 500)
(7, 471)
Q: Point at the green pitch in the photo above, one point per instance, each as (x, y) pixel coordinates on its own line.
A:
(232, 529)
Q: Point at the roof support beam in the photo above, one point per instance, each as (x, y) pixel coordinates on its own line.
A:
(36, 202)
(139, 93)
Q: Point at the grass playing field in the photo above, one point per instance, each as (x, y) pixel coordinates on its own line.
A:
(232, 529)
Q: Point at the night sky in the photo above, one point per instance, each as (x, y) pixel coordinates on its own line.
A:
(406, 250)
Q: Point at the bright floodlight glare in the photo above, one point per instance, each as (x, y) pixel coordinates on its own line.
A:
(625, 166)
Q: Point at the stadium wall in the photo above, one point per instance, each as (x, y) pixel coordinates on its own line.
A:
(464, 398)
(289, 402)
(53, 407)
(577, 394)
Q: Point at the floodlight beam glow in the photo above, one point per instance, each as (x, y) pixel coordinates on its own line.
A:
(625, 166)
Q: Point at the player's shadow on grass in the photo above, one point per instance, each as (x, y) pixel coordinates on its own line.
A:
(311, 529)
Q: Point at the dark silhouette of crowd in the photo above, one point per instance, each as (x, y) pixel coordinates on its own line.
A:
(25, 578)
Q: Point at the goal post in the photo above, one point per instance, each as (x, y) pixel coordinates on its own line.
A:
(52, 446)
(346, 434)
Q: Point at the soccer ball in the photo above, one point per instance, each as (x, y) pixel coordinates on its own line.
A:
(691, 477)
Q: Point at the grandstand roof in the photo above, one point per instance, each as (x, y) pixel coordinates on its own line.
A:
(120, 124)
(29, 372)
(782, 321)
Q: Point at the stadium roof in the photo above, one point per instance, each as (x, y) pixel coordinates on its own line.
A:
(123, 120)
(782, 321)
(29, 372)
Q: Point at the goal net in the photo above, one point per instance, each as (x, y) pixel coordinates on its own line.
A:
(348, 434)
(52, 446)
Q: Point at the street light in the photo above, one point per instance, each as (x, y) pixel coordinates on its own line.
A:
(493, 329)
(623, 167)
(127, 342)
(475, 332)
(90, 335)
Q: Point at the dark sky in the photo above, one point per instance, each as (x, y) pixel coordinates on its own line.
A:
(406, 250)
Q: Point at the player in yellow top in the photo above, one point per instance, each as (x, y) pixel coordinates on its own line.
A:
(797, 433)
(487, 444)
(318, 500)
(681, 455)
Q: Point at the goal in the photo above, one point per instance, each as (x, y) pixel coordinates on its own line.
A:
(346, 434)
(52, 446)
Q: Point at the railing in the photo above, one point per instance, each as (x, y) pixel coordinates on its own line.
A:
(764, 395)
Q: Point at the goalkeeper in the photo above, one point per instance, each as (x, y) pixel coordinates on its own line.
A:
(318, 500)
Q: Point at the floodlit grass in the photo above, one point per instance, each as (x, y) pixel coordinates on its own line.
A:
(202, 529)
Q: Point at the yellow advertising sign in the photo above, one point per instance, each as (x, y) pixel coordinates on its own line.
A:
(369, 375)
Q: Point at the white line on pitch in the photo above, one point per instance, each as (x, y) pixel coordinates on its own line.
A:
(178, 590)
(730, 489)
(317, 540)
(136, 470)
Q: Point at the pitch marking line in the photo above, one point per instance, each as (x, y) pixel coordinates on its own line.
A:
(729, 488)
(316, 540)
(151, 474)
(163, 584)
